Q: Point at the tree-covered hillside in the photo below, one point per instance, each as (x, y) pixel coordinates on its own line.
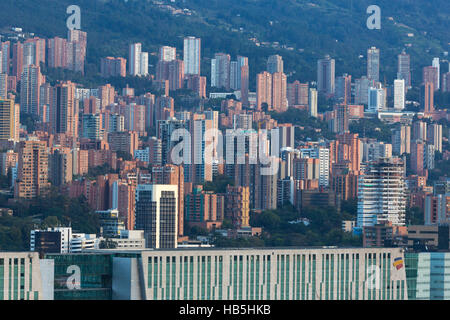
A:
(307, 28)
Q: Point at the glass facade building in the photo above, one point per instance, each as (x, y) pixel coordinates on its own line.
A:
(428, 275)
(82, 276)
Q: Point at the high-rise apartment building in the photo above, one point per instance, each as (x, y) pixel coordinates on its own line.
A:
(263, 90)
(437, 65)
(57, 52)
(192, 55)
(243, 79)
(297, 93)
(341, 118)
(418, 150)
(64, 109)
(9, 120)
(113, 67)
(275, 64)
(176, 74)
(312, 102)
(220, 71)
(17, 59)
(32, 173)
(167, 53)
(76, 50)
(3, 85)
(33, 52)
(92, 126)
(138, 60)
(279, 92)
(446, 82)
(431, 74)
(382, 194)
(361, 90)
(271, 89)
(343, 91)
(5, 48)
(434, 136)
(427, 97)
(373, 64)
(236, 72)
(200, 169)
(323, 156)
(399, 94)
(31, 81)
(60, 166)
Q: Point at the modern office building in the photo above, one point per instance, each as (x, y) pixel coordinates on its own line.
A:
(427, 275)
(326, 75)
(157, 214)
(174, 175)
(226, 274)
(92, 127)
(376, 99)
(61, 240)
(404, 69)
(64, 109)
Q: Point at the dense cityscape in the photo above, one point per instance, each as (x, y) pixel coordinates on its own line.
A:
(170, 175)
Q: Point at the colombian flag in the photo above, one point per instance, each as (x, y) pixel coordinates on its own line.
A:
(398, 263)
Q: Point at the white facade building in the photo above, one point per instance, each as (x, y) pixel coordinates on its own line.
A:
(192, 55)
(399, 94)
(382, 193)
